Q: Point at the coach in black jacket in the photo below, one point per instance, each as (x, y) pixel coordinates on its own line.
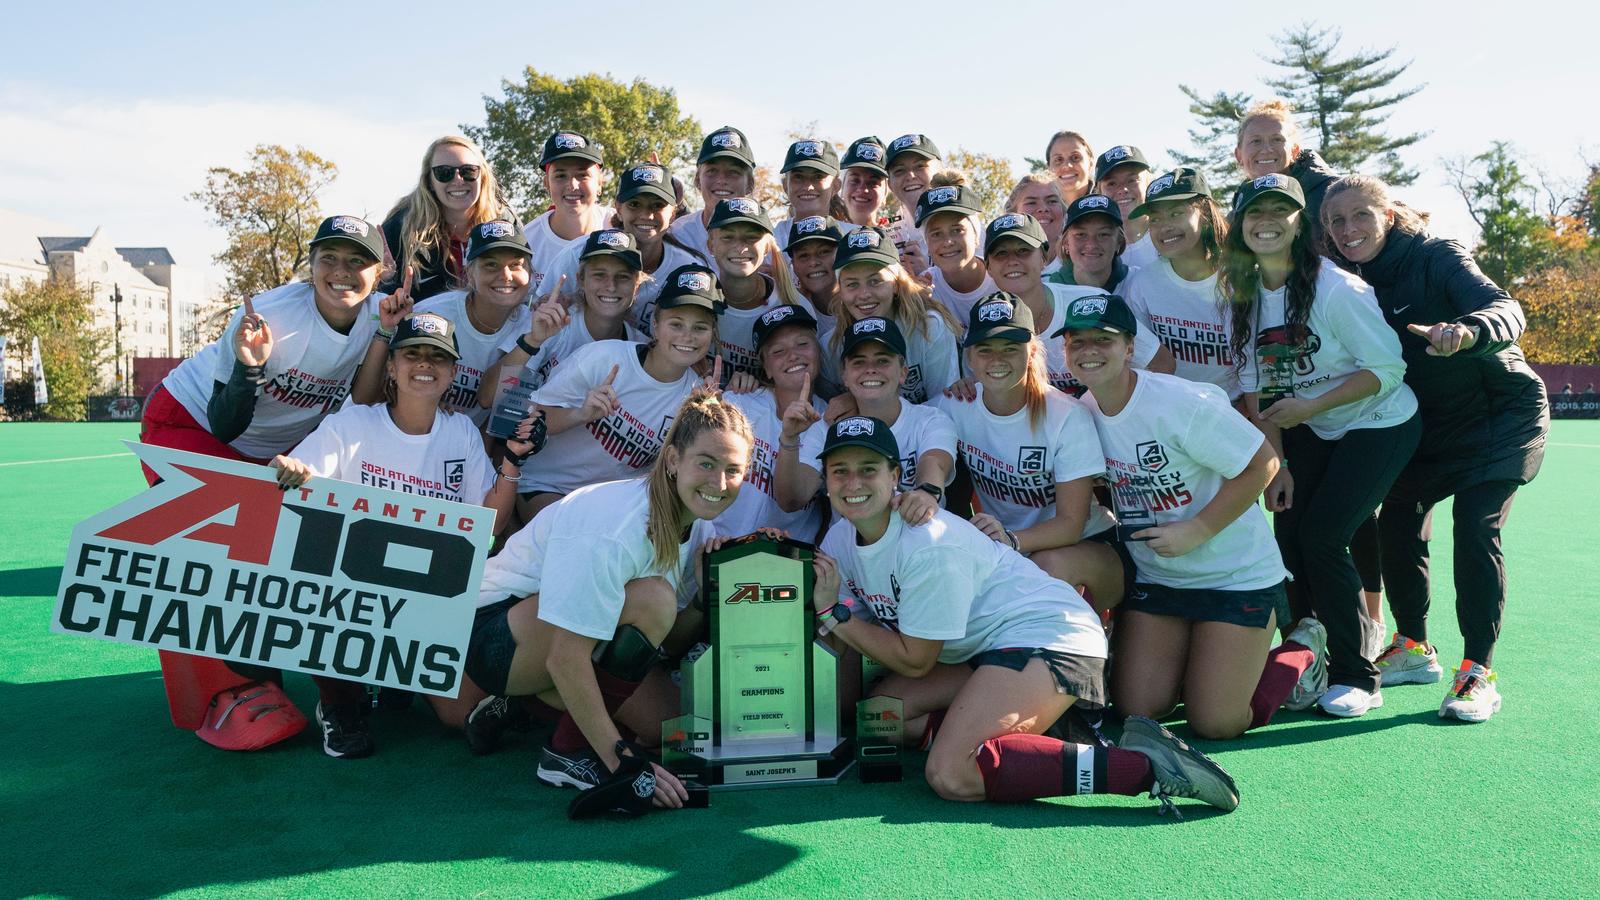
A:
(1484, 410)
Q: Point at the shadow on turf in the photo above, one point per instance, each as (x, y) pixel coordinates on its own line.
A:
(116, 801)
(40, 582)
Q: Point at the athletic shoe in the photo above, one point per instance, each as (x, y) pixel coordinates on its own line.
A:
(1473, 697)
(581, 769)
(344, 731)
(1348, 701)
(1372, 645)
(1177, 769)
(489, 719)
(1314, 680)
(249, 717)
(1406, 661)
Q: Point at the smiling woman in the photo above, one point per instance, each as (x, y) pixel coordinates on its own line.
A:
(428, 228)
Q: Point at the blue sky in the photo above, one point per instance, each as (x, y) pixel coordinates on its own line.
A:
(115, 112)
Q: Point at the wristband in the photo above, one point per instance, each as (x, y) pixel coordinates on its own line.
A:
(1011, 538)
(525, 347)
(502, 474)
(386, 333)
(932, 490)
(785, 445)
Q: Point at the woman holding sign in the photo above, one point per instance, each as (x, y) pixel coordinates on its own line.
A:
(610, 404)
(1185, 471)
(1484, 421)
(986, 651)
(576, 607)
(421, 448)
(1312, 349)
(285, 361)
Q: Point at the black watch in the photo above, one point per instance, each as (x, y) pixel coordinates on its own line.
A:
(840, 613)
(934, 489)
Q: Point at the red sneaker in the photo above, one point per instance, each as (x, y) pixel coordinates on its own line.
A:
(250, 717)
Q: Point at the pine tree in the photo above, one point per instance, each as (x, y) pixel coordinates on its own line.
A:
(1342, 101)
(1215, 134)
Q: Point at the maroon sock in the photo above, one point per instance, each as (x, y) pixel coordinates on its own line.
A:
(568, 737)
(1019, 767)
(1284, 667)
(333, 691)
(935, 719)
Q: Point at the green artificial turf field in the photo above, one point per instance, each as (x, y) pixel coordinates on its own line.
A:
(100, 795)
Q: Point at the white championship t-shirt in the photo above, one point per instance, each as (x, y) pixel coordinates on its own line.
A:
(755, 506)
(561, 345)
(621, 445)
(547, 247)
(1167, 454)
(1141, 252)
(1186, 316)
(960, 303)
(644, 299)
(579, 553)
(917, 430)
(362, 444)
(478, 350)
(736, 329)
(308, 372)
(932, 361)
(1016, 465)
(691, 231)
(947, 581)
(1347, 334)
(1145, 343)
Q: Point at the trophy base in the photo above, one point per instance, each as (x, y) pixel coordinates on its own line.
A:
(772, 764)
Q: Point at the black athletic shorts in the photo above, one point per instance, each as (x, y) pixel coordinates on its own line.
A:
(491, 646)
(1109, 538)
(1252, 609)
(1083, 677)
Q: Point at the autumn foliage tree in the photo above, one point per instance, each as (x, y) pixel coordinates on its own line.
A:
(61, 315)
(269, 211)
(1562, 304)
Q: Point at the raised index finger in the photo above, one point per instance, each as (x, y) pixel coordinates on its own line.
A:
(1418, 330)
(613, 376)
(249, 307)
(406, 284)
(805, 389)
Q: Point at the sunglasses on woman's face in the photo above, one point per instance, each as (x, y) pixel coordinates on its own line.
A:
(447, 174)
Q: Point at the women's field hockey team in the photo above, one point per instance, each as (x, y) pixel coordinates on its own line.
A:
(1020, 445)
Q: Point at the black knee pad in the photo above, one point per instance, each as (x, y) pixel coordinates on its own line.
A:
(628, 655)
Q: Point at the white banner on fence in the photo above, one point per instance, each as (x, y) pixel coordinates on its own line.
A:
(41, 391)
(332, 578)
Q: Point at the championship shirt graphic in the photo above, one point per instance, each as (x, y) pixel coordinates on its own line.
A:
(885, 607)
(628, 440)
(1148, 485)
(304, 391)
(463, 392)
(1192, 340)
(1023, 482)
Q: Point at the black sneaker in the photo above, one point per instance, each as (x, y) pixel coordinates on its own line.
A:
(1178, 770)
(581, 769)
(344, 731)
(489, 719)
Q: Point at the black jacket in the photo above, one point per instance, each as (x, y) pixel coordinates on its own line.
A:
(432, 277)
(1314, 174)
(1484, 411)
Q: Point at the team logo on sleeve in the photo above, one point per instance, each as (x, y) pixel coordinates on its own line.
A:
(1152, 456)
(699, 282)
(566, 140)
(743, 207)
(727, 140)
(616, 240)
(1087, 306)
(863, 238)
(995, 311)
(455, 474)
(349, 225)
(809, 225)
(940, 195)
(1270, 181)
(903, 141)
(808, 148)
(774, 316)
(430, 323)
(867, 326)
(647, 175)
(1094, 201)
(1157, 186)
(1030, 460)
(854, 426)
(869, 152)
(495, 229)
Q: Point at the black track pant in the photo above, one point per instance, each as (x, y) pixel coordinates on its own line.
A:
(1337, 485)
(1406, 526)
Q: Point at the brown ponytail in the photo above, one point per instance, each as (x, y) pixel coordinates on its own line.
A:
(703, 411)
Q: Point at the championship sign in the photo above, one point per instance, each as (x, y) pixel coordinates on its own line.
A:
(330, 578)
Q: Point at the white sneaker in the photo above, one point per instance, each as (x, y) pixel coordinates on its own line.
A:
(1473, 696)
(1314, 680)
(1348, 702)
(1405, 661)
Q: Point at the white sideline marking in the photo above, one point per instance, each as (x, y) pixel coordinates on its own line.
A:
(35, 462)
(1584, 446)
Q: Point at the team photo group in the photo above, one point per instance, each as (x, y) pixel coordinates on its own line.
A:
(1137, 443)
